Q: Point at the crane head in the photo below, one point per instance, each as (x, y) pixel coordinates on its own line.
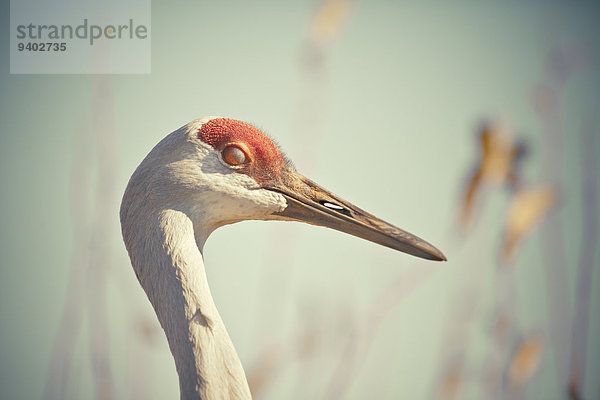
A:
(221, 171)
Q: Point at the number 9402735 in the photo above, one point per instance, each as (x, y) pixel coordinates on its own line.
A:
(43, 46)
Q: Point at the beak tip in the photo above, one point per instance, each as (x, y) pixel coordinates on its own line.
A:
(437, 257)
(433, 254)
(440, 256)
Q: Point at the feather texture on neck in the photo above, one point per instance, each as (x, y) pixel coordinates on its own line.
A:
(170, 268)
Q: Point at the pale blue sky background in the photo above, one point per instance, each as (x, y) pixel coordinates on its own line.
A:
(406, 86)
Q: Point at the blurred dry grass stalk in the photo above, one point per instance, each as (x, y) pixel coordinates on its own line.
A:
(529, 207)
(589, 197)
(325, 27)
(90, 261)
(562, 62)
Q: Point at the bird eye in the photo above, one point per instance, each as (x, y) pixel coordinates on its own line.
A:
(233, 155)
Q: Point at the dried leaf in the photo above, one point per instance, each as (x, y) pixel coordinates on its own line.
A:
(528, 208)
(526, 360)
(451, 385)
(499, 153)
(327, 23)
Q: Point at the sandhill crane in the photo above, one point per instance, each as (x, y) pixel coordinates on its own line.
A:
(209, 173)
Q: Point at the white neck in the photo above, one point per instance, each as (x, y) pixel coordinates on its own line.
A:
(167, 259)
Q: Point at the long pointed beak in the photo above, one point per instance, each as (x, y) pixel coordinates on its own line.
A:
(310, 203)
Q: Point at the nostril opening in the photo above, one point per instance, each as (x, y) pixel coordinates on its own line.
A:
(333, 206)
